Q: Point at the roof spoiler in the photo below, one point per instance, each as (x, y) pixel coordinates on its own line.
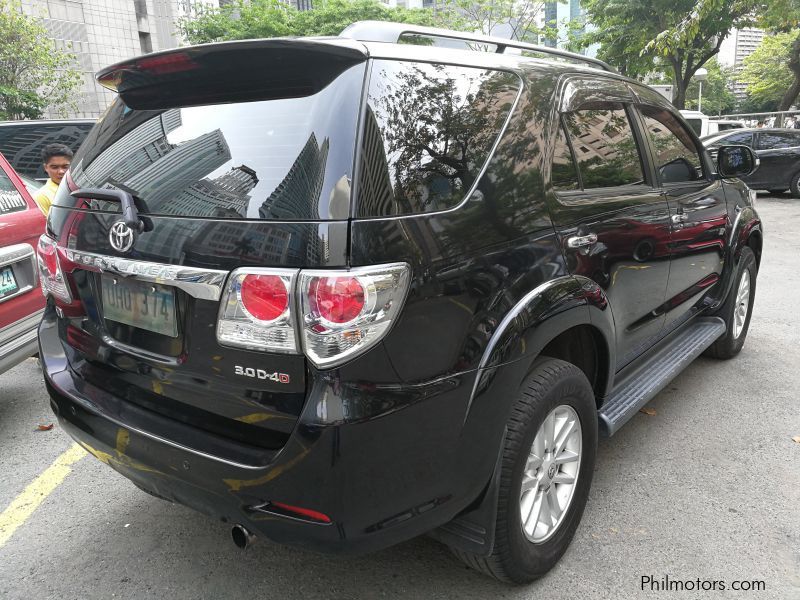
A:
(231, 71)
(383, 31)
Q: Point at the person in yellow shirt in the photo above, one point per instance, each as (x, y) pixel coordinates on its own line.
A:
(56, 159)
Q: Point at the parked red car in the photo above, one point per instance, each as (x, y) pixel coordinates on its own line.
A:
(21, 300)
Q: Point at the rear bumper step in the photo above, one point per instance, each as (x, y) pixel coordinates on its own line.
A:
(657, 371)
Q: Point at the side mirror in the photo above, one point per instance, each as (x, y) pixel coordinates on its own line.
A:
(736, 161)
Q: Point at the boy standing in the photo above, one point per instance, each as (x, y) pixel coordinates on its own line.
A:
(56, 159)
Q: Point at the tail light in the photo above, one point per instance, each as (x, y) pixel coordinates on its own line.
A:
(256, 312)
(334, 314)
(344, 314)
(53, 280)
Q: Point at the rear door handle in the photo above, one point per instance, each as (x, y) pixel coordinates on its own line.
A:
(579, 241)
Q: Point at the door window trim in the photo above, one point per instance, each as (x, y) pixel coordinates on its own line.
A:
(708, 168)
(563, 105)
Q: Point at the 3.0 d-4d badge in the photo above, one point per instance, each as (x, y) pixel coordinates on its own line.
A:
(261, 374)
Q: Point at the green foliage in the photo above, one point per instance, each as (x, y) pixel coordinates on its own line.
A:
(513, 18)
(33, 74)
(765, 71)
(642, 36)
(717, 95)
(247, 19)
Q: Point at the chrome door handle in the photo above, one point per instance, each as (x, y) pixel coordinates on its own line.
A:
(680, 218)
(578, 241)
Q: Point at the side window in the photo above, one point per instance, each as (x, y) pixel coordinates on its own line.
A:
(10, 199)
(428, 131)
(676, 155)
(777, 139)
(605, 148)
(564, 174)
(745, 138)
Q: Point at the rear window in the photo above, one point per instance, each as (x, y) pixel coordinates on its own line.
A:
(428, 131)
(284, 159)
(21, 143)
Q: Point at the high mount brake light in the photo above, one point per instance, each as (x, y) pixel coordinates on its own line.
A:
(337, 314)
(50, 272)
(173, 62)
(167, 63)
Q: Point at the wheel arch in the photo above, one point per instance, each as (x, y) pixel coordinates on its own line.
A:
(567, 318)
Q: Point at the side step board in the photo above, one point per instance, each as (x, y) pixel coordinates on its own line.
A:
(657, 371)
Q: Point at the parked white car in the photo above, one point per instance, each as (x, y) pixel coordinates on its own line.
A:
(704, 125)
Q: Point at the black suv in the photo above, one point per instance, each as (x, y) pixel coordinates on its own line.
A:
(342, 292)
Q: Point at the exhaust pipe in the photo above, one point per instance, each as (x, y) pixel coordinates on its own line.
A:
(242, 536)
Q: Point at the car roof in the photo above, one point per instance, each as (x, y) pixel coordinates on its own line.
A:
(375, 48)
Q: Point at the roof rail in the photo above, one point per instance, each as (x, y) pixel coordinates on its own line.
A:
(386, 31)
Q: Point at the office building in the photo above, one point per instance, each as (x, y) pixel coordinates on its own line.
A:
(739, 44)
(102, 32)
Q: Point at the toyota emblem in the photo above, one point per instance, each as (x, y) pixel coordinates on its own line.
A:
(121, 237)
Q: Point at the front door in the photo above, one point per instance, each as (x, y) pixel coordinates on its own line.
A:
(698, 213)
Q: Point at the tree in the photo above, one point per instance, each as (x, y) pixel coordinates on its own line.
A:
(765, 70)
(34, 75)
(247, 19)
(642, 36)
(717, 95)
(516, 19)
(782, 16)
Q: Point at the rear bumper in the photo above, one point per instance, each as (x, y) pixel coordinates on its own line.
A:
(20, 342)
(396, 471)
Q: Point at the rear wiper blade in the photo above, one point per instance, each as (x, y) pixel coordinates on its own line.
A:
(130, 215)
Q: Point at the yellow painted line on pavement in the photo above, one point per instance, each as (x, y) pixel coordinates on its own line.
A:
(32, 496)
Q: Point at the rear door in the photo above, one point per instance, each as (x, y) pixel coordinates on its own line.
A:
(612, 219)
(698, 211)
(779, 153)
(236, 156)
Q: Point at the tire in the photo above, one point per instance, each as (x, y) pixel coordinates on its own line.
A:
(794, 186)
(736, 322)
(553, 387)
(777, 192)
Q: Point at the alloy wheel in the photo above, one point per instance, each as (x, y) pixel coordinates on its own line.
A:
(742, 304)
(551, 474)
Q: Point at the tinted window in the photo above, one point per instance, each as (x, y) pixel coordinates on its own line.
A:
(277, 159)
(696, 125)
(10, 199)
(428, 131)
(22, 143)
(604, 145)
(777, 139)
(745, 138)
(564, 175)
(676, 155)
(727, 126)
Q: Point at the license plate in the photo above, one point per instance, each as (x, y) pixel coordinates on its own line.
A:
(139, 304)
(8, 285)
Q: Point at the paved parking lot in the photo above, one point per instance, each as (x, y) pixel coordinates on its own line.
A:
(707, 488)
